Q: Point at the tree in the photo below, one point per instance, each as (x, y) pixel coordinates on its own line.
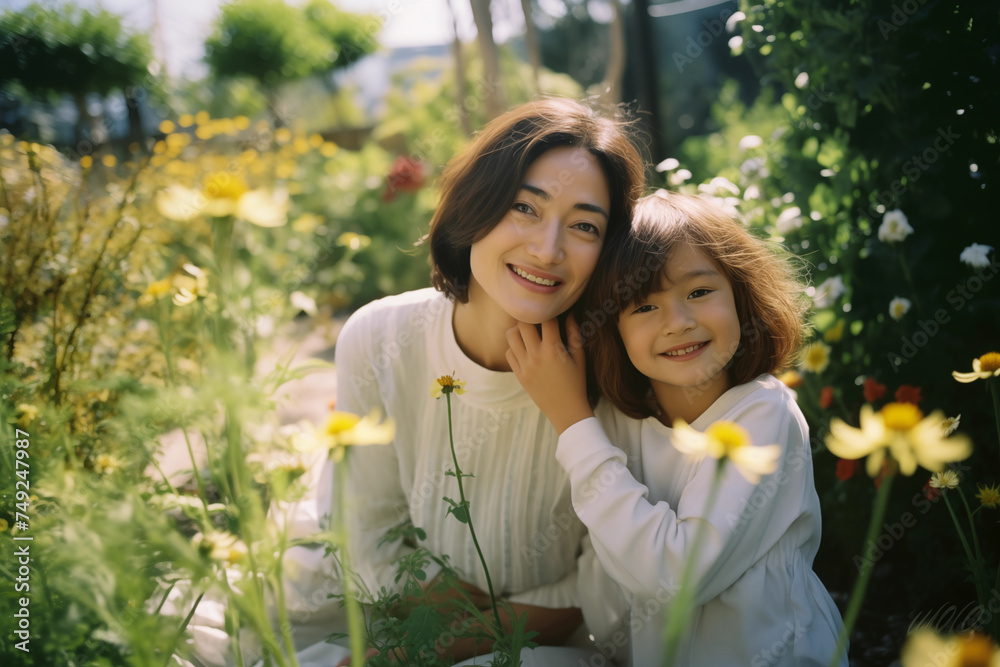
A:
(273, 42)
(496, 100)
(68, 50)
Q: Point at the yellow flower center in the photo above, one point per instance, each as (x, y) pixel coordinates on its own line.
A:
(727, 437)
(975, 650)
(901, 416)
(223, 185)
(446, 381)
(989, 362)
(340, 422)
(989, 496)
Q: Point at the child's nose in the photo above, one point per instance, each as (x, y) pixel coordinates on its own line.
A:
(677, 320)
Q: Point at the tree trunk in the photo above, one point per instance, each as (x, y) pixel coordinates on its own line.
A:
(531, 41)
(460, 90)
(495, 98)
(611, 87)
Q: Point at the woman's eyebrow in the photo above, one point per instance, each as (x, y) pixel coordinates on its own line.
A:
(583, 206)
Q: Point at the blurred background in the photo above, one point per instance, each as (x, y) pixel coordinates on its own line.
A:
(284, 156)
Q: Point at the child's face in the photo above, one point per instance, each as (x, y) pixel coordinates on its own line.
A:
(683, 336)
(537, 260)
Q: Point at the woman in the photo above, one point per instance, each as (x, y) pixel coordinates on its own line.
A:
(525, 212)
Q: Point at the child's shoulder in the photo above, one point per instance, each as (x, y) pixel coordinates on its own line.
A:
(763, 397)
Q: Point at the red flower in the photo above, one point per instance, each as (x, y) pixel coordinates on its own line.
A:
(407, 174)
(826, 397)
(908, 394)
(874, 390)
(846, 469)
(930, 493)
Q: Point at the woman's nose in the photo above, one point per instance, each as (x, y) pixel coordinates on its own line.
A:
(546, 243)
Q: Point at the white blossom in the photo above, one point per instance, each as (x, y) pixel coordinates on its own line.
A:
(750, 141)
(976, 255)
(790, 218)
(898, 307)
(894, 227)
(828, 291)
(678, 177)
(669, 164)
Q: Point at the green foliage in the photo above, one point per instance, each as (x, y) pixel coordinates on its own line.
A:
(272, 41)
(67, 49)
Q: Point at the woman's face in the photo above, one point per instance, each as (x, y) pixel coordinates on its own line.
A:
(536, 261)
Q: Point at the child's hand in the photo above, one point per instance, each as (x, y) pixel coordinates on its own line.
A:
(555, 377)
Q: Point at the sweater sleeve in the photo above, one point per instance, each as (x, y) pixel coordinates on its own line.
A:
(644, 546)
(375, 495)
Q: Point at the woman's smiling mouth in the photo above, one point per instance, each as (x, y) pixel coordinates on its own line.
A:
(530, 277)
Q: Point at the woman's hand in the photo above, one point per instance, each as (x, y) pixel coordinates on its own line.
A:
(553, 374)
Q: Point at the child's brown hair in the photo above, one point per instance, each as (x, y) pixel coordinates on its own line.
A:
(769, 298)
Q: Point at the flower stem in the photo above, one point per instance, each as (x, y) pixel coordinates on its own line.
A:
(909, 281)
(994, 384)
(677, 619)
(355, 617)
(973, 563)
(468, 516)
(864, 574)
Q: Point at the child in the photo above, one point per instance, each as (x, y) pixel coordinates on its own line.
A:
(706, 314)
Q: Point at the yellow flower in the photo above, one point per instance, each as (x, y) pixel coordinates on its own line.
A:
(834, 333)
(221, 546)
(949, 425)
(264, 208)
(446, 384)
(26, 414)
(946, 479)
(728, 440)
(902, 429)
(86, 162)
(354, 241)
(815, 357)
(925, 648)
(223, 191)
(989, 496)
(155, 290)
(343, 429)
(109, 161)
(106, 464)
(166, 127)
(985, 366)
(180, 203)
(791, 378)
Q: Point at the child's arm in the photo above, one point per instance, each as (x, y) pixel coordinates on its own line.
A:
(555, 377)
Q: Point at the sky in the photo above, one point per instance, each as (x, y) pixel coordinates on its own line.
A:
(184, 24)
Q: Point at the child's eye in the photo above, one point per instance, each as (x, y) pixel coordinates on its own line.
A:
(588, 227)
(700, 292)
(521, 207)
(645, 308)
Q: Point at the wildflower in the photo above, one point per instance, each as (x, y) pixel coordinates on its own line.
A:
(669, 164)
(188, 284)
(946, 479)
(678, 177)
(834, 333)
(727, 440)
(407, 175)
(750, 141)
(815, 357)
(802, 80)
(106, 464)
(180, 203)
(907, 393)
(26, 413)
(989, 496)
(719, 186)
(790, 218)
(873, 390)
(826, 397)
(791, 378)
(899, 307)
(925, 648)
(976, 255)
(930, 493)
(902, 429)
(304, 302)
(949, 425)
(343, 430)
(4, 525)
(264, 208)
(894, 227)
(221, 546)
(445, 385)
(828, 291)
(846, 469)
(86, 162)
(354, 241)
(985, 366)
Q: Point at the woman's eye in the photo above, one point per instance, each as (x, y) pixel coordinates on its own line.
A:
(521, 207)
(699, 293)
(588, 227)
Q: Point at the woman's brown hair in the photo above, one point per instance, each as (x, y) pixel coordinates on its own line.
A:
(769, 297)
(479, 184)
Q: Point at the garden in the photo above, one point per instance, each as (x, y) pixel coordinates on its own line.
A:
(169, 252)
